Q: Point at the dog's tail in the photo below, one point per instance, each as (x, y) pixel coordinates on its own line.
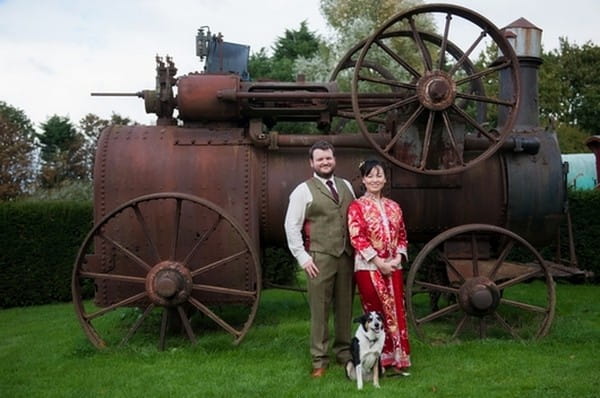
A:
(350, 370)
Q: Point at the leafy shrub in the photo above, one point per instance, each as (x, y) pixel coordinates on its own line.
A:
(38, 245)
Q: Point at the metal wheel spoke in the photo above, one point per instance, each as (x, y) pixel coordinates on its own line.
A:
(126, 251)
(388, 108)
(186, 324)
(121, 303)
(142, 222)
(474, 255)
(177, 222)
(346, 114)
(489, 100)
(218, 263)
(450, 131)
(501, 259)
(467, 53)
(120, 278)
(483, 73)
(224, 290)
(409, 122)
(519, 279)
(202, 239)
(397, 58)
(482, 328)
(474, 123)
(163, 329)
(460, 326)
(434, 315)
(506, 326)
(444, 41)
(427, 139)
(436, 287)
(137, 324)
(388, 82)
(206, 311)
(524, 306)
(446, 261)
(427, 63)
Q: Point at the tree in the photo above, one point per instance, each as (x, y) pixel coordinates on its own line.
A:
(570, 86)
(17, 155)
(553, 98)
(91, 126)
(260, 65)
(61, 152)
(287, 48)
(342, 15)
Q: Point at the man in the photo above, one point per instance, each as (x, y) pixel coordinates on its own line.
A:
(317, 235)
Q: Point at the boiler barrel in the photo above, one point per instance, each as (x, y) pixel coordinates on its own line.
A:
(522, 192)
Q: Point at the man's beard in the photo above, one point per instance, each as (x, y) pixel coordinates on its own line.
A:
(324, 176)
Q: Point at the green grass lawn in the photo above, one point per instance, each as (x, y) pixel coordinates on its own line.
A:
(44, 353)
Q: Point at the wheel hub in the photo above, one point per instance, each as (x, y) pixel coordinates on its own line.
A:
(436, 90)
(479, 296)
(169, 283)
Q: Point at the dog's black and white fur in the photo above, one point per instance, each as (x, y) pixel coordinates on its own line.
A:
(367, 345)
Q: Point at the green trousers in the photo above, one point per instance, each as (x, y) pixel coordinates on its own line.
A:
(332, 289)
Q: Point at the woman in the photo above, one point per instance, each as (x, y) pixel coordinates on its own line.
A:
(377, 233)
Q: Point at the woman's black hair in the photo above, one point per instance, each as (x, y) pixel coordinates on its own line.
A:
(368, 165)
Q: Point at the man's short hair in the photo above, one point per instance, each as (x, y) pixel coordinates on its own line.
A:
(322, 145)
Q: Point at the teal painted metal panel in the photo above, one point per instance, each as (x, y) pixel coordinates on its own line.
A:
(582, 171)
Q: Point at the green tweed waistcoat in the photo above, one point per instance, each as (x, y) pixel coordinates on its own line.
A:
(326, 225)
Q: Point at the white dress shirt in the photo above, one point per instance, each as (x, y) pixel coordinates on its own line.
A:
(300, 199)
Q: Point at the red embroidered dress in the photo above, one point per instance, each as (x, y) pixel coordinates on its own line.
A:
(376, 228)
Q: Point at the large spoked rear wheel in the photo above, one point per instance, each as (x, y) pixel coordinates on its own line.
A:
(161, 263)
(478, 281)
(429, 112)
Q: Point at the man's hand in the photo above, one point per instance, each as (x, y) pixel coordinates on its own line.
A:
(311, 269)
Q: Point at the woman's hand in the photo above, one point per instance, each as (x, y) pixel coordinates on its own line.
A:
(385, 267)
(396, 261)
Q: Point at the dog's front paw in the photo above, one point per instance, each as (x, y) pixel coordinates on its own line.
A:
(350, 370)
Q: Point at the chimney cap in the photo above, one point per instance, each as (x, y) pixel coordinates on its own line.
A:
(522, 23)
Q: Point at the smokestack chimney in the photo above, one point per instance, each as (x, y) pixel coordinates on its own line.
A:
(526, 40)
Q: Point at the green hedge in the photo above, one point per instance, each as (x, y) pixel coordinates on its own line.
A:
(585, 213)
(38, 246)
(39, 242)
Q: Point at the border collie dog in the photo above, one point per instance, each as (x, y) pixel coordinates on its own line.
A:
(366, 346)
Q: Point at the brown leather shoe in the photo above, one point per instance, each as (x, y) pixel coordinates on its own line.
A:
(318, 372)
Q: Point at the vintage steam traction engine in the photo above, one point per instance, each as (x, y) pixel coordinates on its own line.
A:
(183, 208)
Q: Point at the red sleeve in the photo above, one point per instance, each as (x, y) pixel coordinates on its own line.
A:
(402, 241)
(358, 233)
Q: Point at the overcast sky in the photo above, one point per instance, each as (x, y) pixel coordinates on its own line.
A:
(54, 53)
